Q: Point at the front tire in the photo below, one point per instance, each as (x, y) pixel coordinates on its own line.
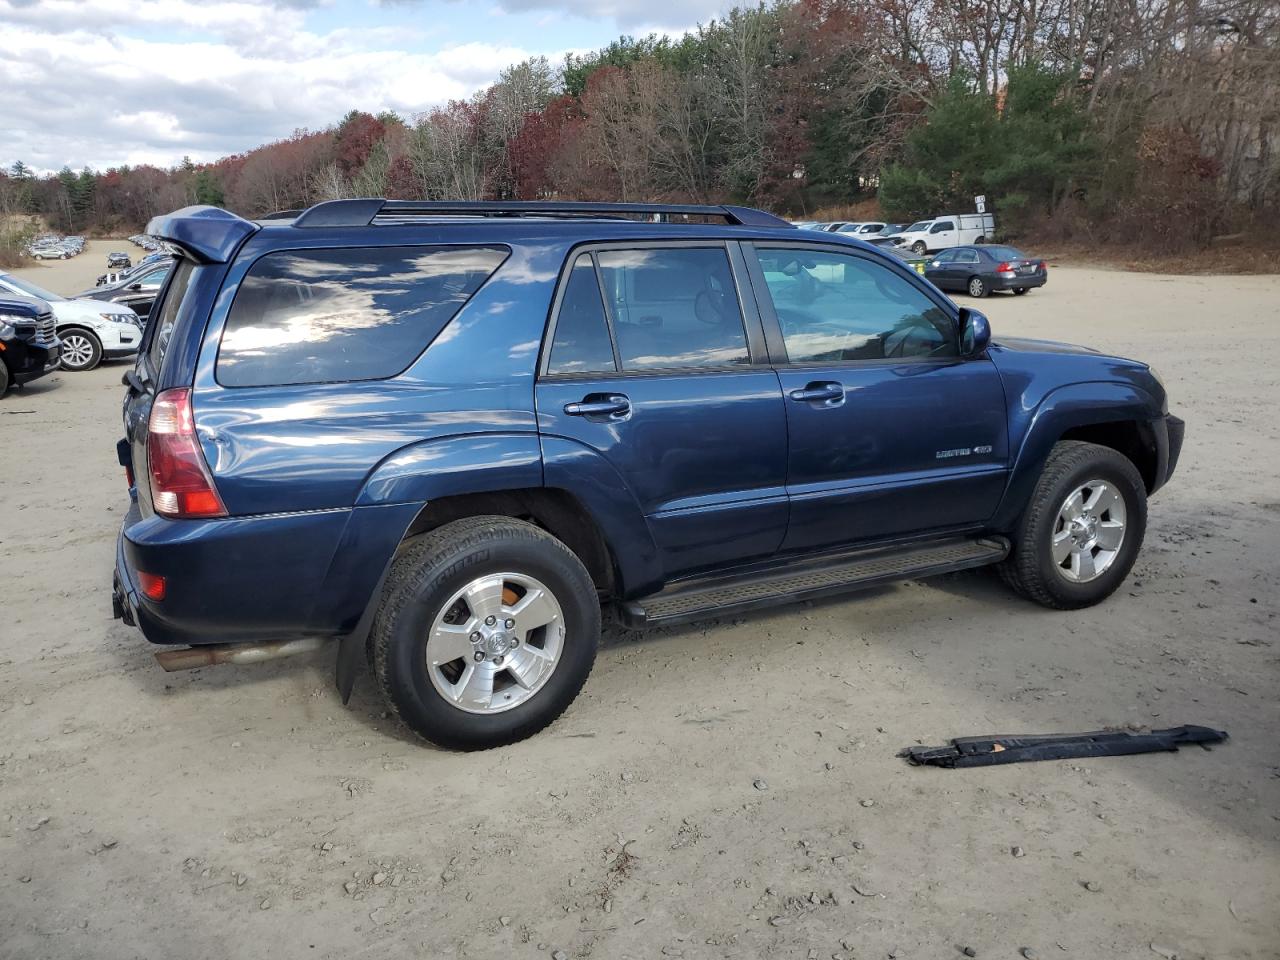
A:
(919, 248)
(4, 378)
(81, 350)
(486, 632)
(1082, 529)
(977, 287)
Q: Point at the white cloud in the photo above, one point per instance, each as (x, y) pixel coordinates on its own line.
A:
(108, 82)
(81, 98)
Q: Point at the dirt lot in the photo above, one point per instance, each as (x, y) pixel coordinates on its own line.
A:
(244, 812)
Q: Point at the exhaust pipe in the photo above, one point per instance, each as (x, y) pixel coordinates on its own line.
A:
(207, 656)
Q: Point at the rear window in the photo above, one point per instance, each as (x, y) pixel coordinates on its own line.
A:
(1005, 253)
(319, 316)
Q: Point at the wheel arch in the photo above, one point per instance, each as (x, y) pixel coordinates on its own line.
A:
(556, 511)
(1111, 414)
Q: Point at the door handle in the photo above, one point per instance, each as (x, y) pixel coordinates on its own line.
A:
(615, 406)
(829, 394)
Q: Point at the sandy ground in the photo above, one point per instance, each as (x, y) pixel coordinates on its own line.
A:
(244, 812)
(67, 277)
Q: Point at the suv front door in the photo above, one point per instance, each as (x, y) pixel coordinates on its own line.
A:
(943, 234)
(656, 364)
(891, 432)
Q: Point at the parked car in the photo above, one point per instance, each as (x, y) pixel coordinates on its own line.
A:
(28, 341)
(136, 289)
(51, 251)
(979, 270)
(445, 433)
(951, 230)
(90, 330)
(863, 231)
(117, 260)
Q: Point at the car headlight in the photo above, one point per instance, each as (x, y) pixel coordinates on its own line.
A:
(6, 329)
(119, 318)
(1155, 375)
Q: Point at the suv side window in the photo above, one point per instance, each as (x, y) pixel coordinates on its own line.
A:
(163, 323)
(320, 316)
(833, 306)
(673, 307)
(581, 343)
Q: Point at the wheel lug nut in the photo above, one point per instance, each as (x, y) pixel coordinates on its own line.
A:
(510, 624)
(475, 636)
(478, 655)
(490, 621)
(497, 661)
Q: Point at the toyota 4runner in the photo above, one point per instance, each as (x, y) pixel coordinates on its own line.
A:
(444, 434)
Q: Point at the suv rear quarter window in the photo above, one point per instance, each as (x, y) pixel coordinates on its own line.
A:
(321, 316)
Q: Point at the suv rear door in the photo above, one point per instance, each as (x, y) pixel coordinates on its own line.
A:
(655, 362)
(891, 432)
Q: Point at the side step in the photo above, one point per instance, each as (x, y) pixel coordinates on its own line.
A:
(806, 579)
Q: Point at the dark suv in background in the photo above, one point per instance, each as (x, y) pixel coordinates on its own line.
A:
(29, 346)
(445, 434)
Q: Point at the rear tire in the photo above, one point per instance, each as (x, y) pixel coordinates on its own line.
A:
(1065, 568)
(443, 591)
(977, 287)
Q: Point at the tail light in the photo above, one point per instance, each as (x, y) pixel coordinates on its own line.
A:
(180, 482)
(1043, 265)
(1005, 270)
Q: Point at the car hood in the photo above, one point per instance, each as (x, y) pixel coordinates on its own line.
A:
(1027, 345)
(87, 310)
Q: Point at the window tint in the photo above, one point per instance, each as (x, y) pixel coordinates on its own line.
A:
(673, 307)
(940, 227)
(946, 256)
(162, 322)
(154, 279)
(833, 307)
(581, 343)
(317, 316)
(1005, 253)
(967, 256)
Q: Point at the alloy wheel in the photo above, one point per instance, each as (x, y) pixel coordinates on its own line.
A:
(77, 351)
(1089, 531)
(495, 643)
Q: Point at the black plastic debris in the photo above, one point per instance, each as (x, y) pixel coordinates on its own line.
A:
(987, 751)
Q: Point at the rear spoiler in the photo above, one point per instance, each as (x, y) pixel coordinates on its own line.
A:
(205, 234)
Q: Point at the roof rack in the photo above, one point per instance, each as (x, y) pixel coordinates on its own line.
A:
(362, 212)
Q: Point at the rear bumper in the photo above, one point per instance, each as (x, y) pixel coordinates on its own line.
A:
(255, 579)
(228, 580)
(1019, 283)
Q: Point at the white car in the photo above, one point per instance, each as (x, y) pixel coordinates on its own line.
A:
(90, 330)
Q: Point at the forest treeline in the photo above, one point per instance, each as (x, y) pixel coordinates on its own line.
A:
(1155, 123)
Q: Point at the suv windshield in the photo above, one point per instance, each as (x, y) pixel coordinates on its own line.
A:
(29, 288)
(918, 225)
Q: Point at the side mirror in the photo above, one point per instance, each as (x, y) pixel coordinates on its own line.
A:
(135, 286)
(975, 332)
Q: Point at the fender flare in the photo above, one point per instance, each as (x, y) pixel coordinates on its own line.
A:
(1062, 409)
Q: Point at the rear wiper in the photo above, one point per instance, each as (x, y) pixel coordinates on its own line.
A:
(986, 751)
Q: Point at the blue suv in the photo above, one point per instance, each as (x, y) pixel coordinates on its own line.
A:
(445, 434)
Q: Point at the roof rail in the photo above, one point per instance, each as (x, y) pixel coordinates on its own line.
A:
(362, 212)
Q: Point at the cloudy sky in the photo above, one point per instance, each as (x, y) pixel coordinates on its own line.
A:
(108, 82)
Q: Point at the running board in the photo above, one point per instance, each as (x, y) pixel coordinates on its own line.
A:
(808, 579)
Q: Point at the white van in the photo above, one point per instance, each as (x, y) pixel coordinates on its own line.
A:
(948, 230)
